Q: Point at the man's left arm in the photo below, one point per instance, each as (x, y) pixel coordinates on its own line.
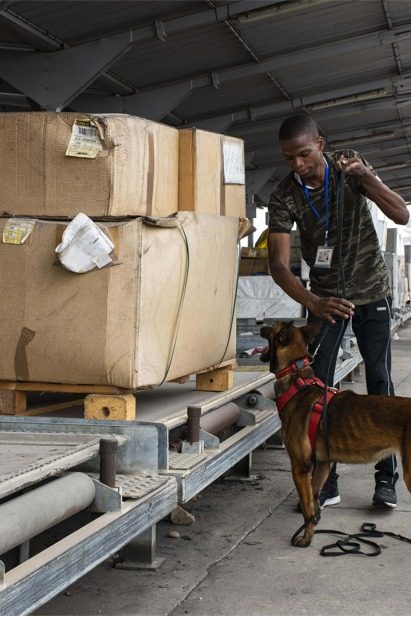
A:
(389, 202)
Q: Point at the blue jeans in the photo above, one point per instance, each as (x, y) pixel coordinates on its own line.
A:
(371, 324)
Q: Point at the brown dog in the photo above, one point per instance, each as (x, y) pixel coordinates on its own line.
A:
(361, 428)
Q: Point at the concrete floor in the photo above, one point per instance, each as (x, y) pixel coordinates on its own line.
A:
(236, 559)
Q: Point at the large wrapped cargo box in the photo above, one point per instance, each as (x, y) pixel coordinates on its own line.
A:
(59, 164)
(165, 310)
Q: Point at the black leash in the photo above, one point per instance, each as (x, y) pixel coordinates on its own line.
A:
(351, 544)
(340, 291)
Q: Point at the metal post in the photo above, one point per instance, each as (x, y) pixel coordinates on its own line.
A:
(139, 554)
(193, 424)
(24, 551)
(242, 469)
(108, 461)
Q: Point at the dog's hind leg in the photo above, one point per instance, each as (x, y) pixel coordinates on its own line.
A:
(406, 457)
(302, 481)
(320, 475)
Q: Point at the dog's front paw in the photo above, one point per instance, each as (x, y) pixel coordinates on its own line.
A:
(301, 541)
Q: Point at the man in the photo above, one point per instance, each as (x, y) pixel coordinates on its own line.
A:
(348, 276)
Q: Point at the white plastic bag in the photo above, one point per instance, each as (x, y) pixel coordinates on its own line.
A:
(84, 246)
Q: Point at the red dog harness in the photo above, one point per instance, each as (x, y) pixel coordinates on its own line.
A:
(301, 383)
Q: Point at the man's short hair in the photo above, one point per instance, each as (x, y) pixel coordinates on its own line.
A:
(297, 125)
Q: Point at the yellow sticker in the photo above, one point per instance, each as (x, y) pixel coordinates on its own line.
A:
(84, 141)
(16, 231)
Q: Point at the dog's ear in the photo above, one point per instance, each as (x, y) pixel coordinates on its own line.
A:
(311, 331)
(285, 334)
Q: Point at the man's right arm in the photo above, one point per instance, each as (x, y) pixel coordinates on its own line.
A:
(279, 258)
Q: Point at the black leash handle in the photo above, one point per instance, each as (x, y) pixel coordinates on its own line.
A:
(351, 544)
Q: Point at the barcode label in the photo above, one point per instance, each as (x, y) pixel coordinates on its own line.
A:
(86, 130)
(84, 141)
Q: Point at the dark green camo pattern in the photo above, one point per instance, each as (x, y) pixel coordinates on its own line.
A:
(366, 276)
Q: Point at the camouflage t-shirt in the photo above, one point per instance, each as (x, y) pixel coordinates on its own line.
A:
(365, 273)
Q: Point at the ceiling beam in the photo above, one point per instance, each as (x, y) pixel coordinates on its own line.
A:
(243, 126)
(153, 105)
(54, 79)
(288, 59)
(31, 34)
(360, 97)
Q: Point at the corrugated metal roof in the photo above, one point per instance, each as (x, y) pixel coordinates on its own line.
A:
(233, 66)
(156, 62)
(313, 26)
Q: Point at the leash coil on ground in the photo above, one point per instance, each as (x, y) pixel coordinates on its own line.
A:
(351, 543)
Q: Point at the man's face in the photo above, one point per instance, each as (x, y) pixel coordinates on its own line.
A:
(304, 155)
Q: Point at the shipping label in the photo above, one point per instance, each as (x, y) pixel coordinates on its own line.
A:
(233, 156)
(84, 141)
(16, 231)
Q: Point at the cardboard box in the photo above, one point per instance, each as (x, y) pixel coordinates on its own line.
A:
(211, 173)
(134, 170)
(247, 251)
(250, 266)
(130, 325)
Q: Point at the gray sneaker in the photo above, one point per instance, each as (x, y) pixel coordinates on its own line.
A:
(385, 494)
(330, 496)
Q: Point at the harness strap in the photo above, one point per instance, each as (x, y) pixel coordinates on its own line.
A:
(316, 415)
(317, 408)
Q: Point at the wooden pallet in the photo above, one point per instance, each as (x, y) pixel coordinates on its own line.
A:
(101, 402)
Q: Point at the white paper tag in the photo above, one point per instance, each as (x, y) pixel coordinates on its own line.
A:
(16, 231)
(84, 141)
(84, 246)
(233, 157)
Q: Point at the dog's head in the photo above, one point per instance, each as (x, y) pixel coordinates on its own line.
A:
(287, 343)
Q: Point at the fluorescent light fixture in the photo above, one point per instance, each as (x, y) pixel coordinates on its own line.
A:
(393, 166)
(346, 100)
(404, 187)
(281, 8)
(363, 140)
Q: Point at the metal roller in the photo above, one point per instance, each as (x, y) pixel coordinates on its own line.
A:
(220, 419)
(266, 390)
(28, 515)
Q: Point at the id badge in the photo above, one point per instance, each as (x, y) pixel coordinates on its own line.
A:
(324, 257)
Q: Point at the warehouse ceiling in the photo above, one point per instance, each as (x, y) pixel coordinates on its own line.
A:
(235, 67)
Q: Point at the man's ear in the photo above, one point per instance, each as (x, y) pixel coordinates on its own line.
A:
(311, 331)
(320, 142)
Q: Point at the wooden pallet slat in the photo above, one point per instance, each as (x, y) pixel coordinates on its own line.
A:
(13, 402)
(101, 402)
(217, 379)
(110, 407)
